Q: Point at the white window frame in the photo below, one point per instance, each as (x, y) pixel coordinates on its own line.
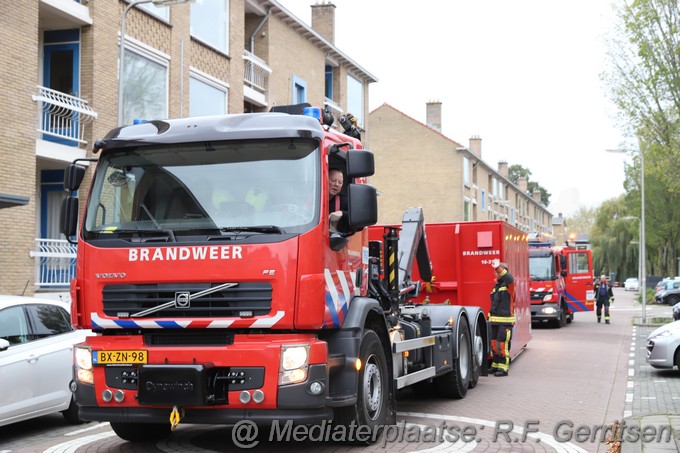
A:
(214, 82)
(155, 56)
(222, 47)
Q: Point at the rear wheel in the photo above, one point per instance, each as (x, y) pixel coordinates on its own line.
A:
(673, 299)
(141, 432)
(677, 358)
(454, 384)
(477, 360)
(373, 396)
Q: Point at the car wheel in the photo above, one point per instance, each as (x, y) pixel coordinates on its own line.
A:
(677, 358)
(672, 300)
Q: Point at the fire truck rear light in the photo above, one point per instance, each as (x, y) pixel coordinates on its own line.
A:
(258, 396)
(107, 395)
(119, 396)
(244, 397)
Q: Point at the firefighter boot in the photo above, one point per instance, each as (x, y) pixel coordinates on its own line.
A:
(500, 373)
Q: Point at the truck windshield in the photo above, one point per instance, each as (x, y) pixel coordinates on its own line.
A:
(215, 188)
(542, 268)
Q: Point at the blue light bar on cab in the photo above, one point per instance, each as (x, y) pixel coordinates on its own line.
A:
(314, 112)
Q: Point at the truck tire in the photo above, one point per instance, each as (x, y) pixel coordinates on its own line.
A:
(373, 393)
(477, 360)
(141, 432)
(454, 384)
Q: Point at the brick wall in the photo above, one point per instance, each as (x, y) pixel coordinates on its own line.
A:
(19, 35)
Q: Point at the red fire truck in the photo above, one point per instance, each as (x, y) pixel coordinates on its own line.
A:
(561, 281)
(207, 266)
(461, 254)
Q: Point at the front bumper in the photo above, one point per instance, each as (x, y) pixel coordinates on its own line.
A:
(544, 312)
(660, 352)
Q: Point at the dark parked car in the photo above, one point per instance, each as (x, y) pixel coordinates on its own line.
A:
(670, 294)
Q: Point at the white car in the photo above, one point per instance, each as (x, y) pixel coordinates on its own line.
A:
(631, 284)
(36, 359)
(663, 346)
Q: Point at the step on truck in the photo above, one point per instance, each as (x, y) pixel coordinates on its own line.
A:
(208, 268)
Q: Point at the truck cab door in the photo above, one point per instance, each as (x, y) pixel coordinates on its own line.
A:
(579, 280)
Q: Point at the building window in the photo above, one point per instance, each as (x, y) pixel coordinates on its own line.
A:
(161, 11)
(207, 95)
(483, 198)
(512, 216)
(501, 191)
(466, 171)
(210, 23)
(466, 209)
(494, 186)
(355, 99)
(146, 84)
(329, 82)
(299, 90)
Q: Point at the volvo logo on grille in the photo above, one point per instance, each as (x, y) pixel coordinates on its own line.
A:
(182, 299)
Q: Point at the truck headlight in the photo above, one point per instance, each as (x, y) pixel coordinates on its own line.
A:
(83, 361)
(547, 297)
(294, 363)
(549, 310)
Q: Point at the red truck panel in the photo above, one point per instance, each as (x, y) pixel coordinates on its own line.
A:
(461, 254)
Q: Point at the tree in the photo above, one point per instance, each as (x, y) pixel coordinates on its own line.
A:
(644, 83)
(515, 172)
(582, 221)
(613, 240)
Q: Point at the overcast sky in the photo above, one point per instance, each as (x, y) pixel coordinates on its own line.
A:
(524, 75)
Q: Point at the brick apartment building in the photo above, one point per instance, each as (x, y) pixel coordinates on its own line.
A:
(416, 165)
(60, 93)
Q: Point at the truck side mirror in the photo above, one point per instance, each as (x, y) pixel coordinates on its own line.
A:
(73, 177)
(363, 206)
(563, 265)
(360, 163)
(69, 217)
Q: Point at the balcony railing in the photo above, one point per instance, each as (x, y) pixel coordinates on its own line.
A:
(62, 117)
(255, 72)
(55, 263)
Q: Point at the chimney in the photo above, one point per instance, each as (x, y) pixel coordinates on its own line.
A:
(476, 145)
(433, 115)
(503, 169)
(523, 184)
(323, 20)
(537, 196)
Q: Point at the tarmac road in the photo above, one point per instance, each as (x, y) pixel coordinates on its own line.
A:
(563, 391)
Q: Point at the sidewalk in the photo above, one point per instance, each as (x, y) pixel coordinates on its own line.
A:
(652, 402)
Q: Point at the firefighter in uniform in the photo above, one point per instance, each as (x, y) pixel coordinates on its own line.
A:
(502, 318)
(603, 297)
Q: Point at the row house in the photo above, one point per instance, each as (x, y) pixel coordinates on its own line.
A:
(418, 166)
(61, 90)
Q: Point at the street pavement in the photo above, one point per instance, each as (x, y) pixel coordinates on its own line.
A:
(653, 396)
(547, 383)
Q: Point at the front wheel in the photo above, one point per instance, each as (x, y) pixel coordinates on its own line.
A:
(455, 383)
(672, 300)
(373, 395)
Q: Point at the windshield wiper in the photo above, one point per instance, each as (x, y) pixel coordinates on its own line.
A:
(163, 233)
(253, 229)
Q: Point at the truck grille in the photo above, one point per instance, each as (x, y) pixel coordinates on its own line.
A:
(242, 299)
(538, 295)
